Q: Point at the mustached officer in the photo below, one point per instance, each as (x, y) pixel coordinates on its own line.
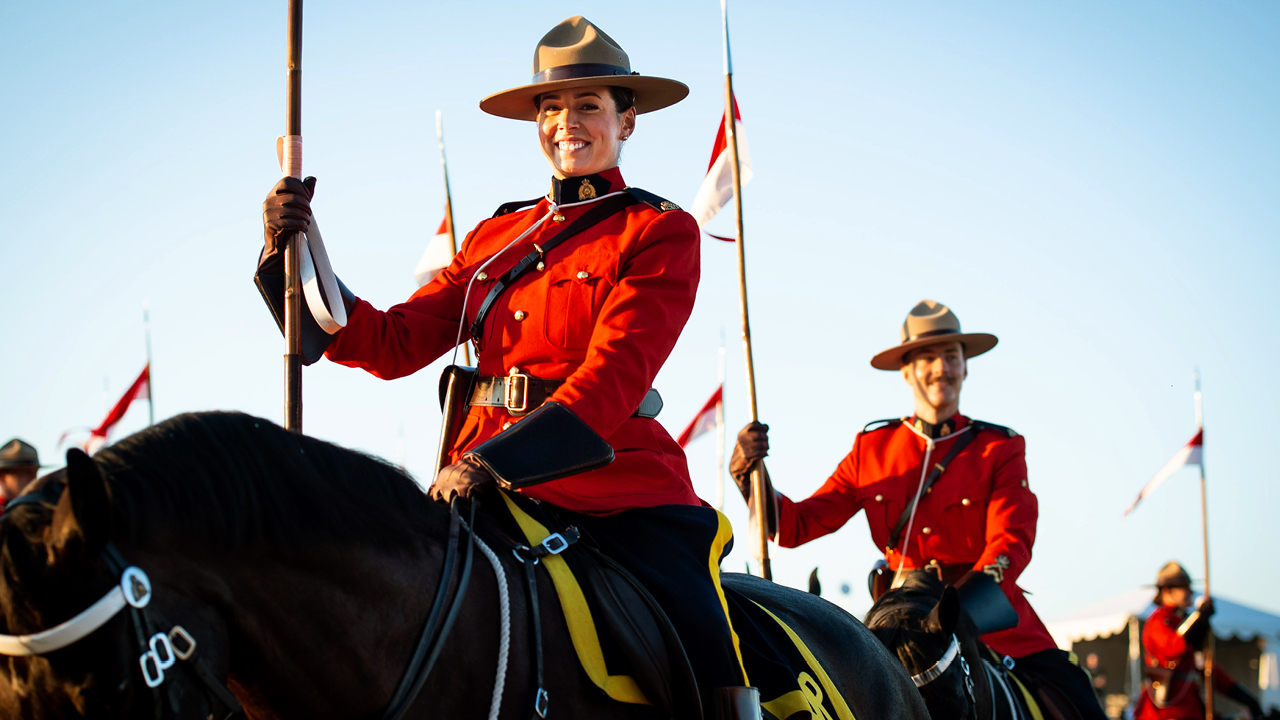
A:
(1170, 639)
(976, 511)
(574, 301)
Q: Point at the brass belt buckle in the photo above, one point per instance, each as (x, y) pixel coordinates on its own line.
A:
(516, 379)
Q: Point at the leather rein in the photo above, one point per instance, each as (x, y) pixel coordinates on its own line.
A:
(951, 655)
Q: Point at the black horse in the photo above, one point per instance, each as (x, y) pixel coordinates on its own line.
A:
(924, 624)
(299, 576)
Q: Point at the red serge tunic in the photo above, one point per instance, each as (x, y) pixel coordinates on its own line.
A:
(1168, 650)
(603, 317)
(979, 512)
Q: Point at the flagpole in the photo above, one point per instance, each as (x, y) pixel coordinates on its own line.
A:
(151, 387)
(758, 504)
(448, 210)
(1204, 527)
(720, 431)
(291, 154)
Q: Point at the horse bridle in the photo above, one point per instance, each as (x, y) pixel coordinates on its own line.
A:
(951, 654)
(158, 650)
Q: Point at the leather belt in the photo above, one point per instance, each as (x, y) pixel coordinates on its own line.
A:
(521, 394)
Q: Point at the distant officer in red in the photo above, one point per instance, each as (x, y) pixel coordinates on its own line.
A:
(1170, 640)
(19, 465)
(574, 300)
(975, 511)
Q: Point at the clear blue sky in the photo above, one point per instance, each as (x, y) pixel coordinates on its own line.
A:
(1096, 184)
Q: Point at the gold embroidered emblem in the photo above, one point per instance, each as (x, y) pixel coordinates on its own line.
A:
(587, 191)
(668, 205)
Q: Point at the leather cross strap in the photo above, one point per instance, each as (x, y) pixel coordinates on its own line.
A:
(960, 444)
(596, 214)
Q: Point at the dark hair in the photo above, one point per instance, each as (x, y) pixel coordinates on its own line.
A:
(623, 98)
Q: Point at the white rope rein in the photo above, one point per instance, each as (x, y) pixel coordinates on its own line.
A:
(504, 627)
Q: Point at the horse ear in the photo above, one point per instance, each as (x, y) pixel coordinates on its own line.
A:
(82, 518)
(946, 614)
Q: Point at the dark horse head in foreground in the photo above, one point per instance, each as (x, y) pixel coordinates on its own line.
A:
(301, 575)
(923, 623)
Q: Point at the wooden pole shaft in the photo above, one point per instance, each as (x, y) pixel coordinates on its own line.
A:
(759, 505)
(448, 211)
(292, 262)
(1204, 534)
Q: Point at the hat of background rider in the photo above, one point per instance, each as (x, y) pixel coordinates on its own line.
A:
(576, 53)
(931, 322)
(1172, 575)
(18, 454)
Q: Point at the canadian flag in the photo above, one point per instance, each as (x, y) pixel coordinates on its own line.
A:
(705, 421)
(717, 188)
(1190, 454)
(437, 256)
(139, 390)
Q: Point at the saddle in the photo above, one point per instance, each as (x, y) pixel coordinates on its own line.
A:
(624, 641)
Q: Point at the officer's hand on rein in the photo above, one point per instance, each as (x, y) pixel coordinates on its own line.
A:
(753, 445)
(287, 210)
(462, 479)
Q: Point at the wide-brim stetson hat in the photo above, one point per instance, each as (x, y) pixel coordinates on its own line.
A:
(931, 322)
(576, 53)
(17, 454)
(1172, 575)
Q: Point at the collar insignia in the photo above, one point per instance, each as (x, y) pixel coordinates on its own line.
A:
(577, 189)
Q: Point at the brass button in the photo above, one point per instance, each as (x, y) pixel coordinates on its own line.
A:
(506, 425)
(583, 274)
(1024, 483)
(520, 315)
(558, 217)
(482, 276)
(928, 490)
(965, 502)
(879, 498)
(926, 530)
(541, 266)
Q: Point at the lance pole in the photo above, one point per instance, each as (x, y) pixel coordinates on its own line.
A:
(448, 209)
(291, 154)
(151, 385)
(759, 505)
(720, 430)
(1204, 528)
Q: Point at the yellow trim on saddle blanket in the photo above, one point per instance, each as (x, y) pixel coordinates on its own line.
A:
(808, 697)
(1032, 705)
(577, 615)
(724, 533)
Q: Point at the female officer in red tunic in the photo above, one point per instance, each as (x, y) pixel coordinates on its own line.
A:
(574, 302)
(1170, 640)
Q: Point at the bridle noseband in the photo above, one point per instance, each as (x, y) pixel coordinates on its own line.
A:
(936, 671)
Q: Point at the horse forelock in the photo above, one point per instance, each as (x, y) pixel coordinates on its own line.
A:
(229, 480)
(900, 620)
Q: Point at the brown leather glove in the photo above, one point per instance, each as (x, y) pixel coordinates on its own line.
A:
(463, 479)
(287, 210)
(753, 445)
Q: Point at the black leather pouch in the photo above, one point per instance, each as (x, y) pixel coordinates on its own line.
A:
(548, 444)
(985, 603)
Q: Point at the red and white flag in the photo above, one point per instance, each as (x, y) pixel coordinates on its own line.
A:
(1190, 454)
(139, 390)
(717, 188)
(705, 421)
(437, 256)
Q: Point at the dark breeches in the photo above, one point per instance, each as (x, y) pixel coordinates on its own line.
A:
(675, 551)
(1054, 667)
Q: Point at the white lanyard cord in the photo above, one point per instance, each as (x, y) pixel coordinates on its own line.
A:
(930, 444)
(551, 211)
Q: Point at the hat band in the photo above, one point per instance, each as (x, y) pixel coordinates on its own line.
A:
(580, 70)
(931, 333)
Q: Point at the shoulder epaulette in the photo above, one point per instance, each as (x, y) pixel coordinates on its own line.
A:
(878, 424)
(981, 425)
(653, 201)
(511, 207)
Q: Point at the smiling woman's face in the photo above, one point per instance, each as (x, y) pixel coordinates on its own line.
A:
(581, 130)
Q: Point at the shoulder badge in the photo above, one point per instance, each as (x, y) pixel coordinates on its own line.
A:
(511, 207)
(879, 424)
(981, 425)
(657, 203)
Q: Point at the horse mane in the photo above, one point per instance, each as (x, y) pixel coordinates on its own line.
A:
(232, 481)
(900, 620)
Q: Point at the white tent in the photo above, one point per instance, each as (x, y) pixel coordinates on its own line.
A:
(1124, 613)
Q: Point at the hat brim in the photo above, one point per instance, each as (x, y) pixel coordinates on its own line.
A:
(652, 93)
(974, 344)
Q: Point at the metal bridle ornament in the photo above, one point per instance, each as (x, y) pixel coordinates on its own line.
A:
(950, 655)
